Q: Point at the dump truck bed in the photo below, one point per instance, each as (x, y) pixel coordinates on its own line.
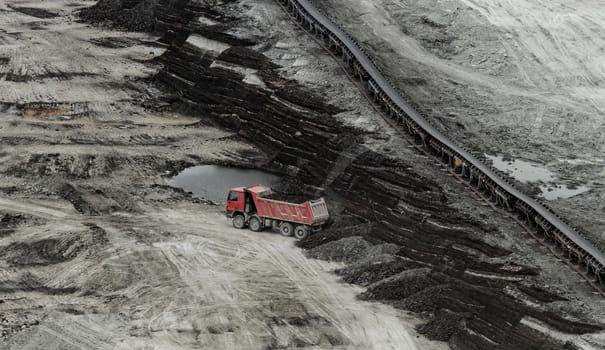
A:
(312, 213)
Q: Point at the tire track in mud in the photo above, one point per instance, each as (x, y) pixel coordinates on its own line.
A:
(45, 211)
(248, 265)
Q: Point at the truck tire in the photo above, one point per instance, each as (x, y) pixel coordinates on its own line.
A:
(239, 221)
(254, 224)
(286, 229)
(301, 232)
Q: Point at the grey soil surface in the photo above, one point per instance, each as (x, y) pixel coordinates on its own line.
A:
(521, 79)
(98, 252)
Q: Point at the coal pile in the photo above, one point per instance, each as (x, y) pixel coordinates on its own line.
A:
(345, 249)
(369, 271)
(443, 326)
(134, 15)
(286, 197)
(333, 233)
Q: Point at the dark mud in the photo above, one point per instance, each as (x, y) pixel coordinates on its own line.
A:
(116, 42)
(35, 12)
(431, 258)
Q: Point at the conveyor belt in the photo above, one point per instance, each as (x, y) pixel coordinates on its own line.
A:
(390, 91)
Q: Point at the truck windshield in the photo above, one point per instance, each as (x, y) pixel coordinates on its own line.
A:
(232, 196)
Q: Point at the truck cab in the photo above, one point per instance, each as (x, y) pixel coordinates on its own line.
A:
(235, 201)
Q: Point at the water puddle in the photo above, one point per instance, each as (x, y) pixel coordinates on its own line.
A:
(213, 182)
(522, 171)
(527, 172)
(552, 192)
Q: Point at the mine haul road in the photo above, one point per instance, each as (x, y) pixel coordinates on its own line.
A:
(205, 283)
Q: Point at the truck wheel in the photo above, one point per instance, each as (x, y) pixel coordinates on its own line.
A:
(254, 224)
(239, 221)
(301, 232)
(286, 229)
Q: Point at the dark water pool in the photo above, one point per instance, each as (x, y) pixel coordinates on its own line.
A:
(213, 182)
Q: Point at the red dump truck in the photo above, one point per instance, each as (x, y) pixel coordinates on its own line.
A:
(250, 206)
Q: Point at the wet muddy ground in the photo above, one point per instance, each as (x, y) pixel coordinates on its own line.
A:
(116, 258)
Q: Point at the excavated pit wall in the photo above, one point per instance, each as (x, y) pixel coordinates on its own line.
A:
(390, 221)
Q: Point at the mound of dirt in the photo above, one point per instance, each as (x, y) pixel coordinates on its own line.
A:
(442, 326)
(137, 15)
(375, 268)
(332, 234)
(346, 249)
(428, 300)
(50, 251)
